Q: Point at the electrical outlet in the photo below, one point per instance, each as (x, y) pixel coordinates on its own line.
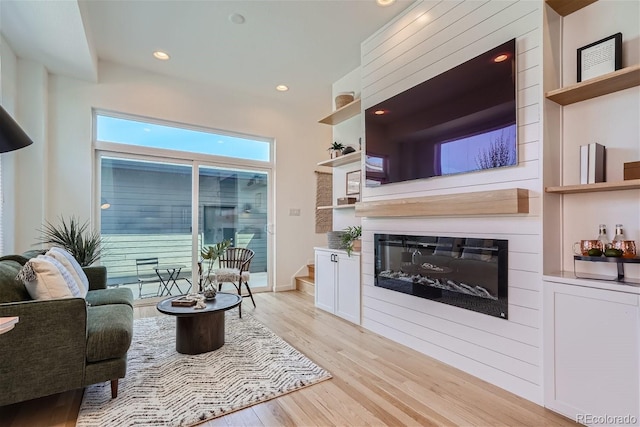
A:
(294, 212)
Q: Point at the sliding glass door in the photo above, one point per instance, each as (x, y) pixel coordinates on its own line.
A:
(233, 206)
(146, 213)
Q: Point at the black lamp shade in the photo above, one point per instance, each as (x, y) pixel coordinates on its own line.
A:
(12, 137)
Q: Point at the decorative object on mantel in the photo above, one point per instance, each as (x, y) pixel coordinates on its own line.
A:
(336, 149)
(631, 170)
(344, 98)
(601, 57)
(155, 390)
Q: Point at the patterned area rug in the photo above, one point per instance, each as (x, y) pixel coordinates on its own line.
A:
(165, 388)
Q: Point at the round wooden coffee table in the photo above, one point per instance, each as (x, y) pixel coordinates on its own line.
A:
(200, 330)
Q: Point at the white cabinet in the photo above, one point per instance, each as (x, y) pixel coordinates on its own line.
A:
(338, 283)
(591, 352)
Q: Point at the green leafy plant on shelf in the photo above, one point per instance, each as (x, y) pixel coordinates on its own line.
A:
(351, 234)
(336, 148)
(209, 255)
(85, 244)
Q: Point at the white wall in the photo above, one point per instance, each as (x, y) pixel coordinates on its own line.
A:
(68, 181)
(428, 39)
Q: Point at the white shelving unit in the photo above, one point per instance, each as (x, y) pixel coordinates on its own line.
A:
(591, 328)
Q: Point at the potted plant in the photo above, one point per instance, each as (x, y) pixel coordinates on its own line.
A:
(210, 254)
(78, 239)
(351, 239)
(336, 149)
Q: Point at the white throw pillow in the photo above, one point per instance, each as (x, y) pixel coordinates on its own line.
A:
(44, 280)
(72, 265)
(66, 275)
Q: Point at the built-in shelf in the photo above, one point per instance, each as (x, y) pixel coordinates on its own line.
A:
(597, 86)
(630, 184)
(494, 202)
(567, 7)
(351, 206)
(620, 262)
(342, 160)
(352, 109)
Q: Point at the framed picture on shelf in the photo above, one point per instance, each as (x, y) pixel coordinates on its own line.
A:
(601, 57)
(353, 182)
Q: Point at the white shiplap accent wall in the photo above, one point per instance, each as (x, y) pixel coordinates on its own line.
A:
(428, 39)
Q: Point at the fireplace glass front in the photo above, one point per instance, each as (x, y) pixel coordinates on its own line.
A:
(469, 273)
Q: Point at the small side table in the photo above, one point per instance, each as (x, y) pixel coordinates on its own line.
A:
(7, 324)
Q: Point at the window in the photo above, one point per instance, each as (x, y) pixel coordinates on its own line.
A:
(158, 203)
(147, 134)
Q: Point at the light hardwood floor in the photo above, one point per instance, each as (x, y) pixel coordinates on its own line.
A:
(375, 382)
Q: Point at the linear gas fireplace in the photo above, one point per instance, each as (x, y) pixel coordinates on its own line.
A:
(469, 273)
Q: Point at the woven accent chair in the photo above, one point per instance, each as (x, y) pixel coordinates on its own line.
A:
(234, 268)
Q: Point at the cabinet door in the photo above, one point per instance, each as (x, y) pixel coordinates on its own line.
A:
(592, 341)
(348, 288)
(325, 281)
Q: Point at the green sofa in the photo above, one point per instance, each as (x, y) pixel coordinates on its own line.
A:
(62, 344)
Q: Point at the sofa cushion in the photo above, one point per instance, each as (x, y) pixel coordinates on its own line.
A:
(44, 280)
(68, 277)
(70, 263)
(110, 296)
(12, 289)
(109, 331)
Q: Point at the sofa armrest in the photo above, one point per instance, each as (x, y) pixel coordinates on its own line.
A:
(45, 352)
(97, 276)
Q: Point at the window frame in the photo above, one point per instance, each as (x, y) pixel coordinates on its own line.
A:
(195, 160)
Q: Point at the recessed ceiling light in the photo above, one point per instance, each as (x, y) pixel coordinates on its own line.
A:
(163, 56)
(236, 18)
(500, 58)
(282, 88)
(379, 112)
(385, 2)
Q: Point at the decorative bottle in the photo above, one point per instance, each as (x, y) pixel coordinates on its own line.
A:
(619, 238)
(602, 237)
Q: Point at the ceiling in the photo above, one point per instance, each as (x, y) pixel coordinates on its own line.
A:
(305, 44)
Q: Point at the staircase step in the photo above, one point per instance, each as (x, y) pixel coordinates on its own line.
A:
(306, 284)
(312, 269)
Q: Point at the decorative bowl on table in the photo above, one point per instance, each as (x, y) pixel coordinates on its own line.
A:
(209, 294)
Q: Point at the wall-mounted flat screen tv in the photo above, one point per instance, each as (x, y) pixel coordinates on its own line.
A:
(462, 120)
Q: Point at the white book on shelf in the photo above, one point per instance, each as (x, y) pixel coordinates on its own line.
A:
(584, 164)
